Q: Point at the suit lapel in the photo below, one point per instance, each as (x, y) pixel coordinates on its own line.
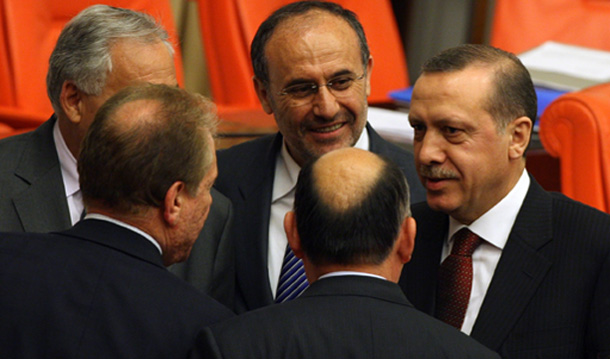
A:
(42, 206)
(520, 270)
(251, 256)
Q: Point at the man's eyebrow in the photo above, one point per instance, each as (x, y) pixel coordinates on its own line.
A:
(302, 80)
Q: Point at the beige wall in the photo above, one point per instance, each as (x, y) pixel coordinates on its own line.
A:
(187, 24)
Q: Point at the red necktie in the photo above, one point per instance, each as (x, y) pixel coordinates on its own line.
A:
(455, 279)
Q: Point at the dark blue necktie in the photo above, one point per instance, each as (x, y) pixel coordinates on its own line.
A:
(292, 278)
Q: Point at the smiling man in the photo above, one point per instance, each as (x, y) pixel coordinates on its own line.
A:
(312, 72)
(523, 271)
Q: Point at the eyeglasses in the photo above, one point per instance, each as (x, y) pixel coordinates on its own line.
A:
(304, 93)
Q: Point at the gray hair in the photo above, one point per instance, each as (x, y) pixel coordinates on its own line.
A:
(82, 52)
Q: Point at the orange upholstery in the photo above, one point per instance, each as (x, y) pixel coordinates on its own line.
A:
(576, 128)
(228, 27)
(29, 31)
(521, 25)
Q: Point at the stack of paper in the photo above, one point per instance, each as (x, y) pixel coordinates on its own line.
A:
(566, 67)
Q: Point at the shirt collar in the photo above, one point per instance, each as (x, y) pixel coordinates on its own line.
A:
(496, 224)
(287, 170)
(67, 162)
(102, 217)
(344, 273)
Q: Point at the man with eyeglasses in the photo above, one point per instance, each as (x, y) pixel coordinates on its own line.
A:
(312, 72)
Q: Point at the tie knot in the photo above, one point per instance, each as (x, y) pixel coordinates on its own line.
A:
(465, 242)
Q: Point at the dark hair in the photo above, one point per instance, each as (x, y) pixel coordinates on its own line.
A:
(363, 233)
(513, 95)
(127, 163)
(266, 29)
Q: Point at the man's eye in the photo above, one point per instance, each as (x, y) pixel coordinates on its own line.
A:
(303, 90)
(341, 83)
(451, 130)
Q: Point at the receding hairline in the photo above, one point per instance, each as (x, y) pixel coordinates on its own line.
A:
(344, 178)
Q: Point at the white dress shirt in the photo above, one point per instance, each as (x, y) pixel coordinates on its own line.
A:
(102, 217)
(69, 174)
(494, 227)
(282, 200)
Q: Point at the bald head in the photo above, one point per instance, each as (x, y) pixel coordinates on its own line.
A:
(349, 207)
(345, 177)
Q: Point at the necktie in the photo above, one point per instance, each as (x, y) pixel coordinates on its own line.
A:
(455, 279)
(292, 278)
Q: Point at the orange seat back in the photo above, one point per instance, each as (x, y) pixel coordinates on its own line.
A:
(229, 26)
(32, 28)
(521, 25)
(6, 79)
(576, 128)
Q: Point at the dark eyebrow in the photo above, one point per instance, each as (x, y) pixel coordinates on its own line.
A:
(301, 80)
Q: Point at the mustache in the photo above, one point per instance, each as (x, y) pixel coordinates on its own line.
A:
(436, 172)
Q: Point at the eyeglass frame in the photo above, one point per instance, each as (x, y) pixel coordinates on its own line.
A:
(315, 87)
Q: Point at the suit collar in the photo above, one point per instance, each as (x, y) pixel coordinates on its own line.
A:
(520, 270)
(119, 238)
(251, 255)
(357, 286)
(42, 206)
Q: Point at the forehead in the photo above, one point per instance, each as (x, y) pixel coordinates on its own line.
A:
(445, 94)
(317, 43)
(136, 62)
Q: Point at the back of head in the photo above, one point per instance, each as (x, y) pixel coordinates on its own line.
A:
(349, 206)
(82, 52)
(299, 8)
(143, 139)
(513, 96)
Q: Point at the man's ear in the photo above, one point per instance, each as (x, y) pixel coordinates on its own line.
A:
(294, 241)
(369, 71)
(520, 131)
(71, 101)
(263, 95)
(406, 239)
(174, 202)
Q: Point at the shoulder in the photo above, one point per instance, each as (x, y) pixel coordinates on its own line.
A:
(570, 216)
(11, 149)
(240, 161)
(243, 152)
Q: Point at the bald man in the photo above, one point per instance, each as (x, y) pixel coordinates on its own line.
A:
(351, 225)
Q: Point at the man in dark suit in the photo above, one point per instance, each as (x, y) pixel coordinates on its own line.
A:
(100, 289)
(540, 265)
(352, 227)
(312, 69)
(38, 177)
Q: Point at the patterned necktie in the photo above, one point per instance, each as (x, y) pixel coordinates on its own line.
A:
(292, 278)
(455, 279)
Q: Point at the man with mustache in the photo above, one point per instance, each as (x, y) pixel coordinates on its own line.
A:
(312, 69)
(523, 271)
(351, 225)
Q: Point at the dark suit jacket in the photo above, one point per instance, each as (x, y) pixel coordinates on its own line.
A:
(97, 290)
(32, 199)
(550, 294)
(340, 317)
(245, 175)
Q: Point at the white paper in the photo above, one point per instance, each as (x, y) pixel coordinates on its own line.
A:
(567, 66)
(392, 125)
